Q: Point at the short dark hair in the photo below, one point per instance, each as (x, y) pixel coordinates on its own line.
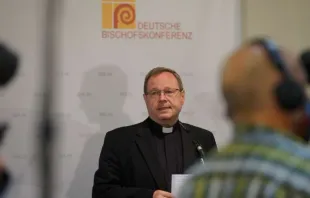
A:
(158, 70)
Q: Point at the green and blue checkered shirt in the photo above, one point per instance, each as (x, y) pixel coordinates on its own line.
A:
(259, 162)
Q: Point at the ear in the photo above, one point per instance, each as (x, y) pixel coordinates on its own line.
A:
(183, 97)
(144, 97)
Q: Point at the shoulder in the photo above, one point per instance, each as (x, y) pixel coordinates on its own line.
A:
(120, 139)
(122, 135)
(198, 130)
(204, 136)
(124, 131)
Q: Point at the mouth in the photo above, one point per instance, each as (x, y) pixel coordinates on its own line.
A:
(163, 108)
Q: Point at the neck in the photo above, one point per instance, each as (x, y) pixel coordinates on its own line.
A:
(272, 119)
(165, 123)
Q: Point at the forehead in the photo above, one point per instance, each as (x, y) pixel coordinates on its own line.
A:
(162, 80)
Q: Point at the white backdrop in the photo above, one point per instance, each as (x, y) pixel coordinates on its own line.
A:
(101, 79)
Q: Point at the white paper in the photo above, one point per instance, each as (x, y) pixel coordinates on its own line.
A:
(177, 182)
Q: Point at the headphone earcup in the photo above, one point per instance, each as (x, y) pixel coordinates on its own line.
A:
(290, 95)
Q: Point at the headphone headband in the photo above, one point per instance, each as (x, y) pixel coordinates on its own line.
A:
(273, 54)
(289, 93)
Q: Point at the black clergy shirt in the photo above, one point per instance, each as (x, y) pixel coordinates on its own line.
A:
(169, 149)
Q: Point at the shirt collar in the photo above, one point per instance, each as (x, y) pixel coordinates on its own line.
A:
(241, 129)
(157, 128)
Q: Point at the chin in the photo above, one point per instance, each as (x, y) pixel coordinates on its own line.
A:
(165, 117)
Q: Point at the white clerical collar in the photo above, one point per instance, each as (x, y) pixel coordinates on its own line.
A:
(167, 130)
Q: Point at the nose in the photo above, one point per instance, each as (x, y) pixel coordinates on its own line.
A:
(162, 96)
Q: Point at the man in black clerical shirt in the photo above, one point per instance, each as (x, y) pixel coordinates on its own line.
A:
(168, 144)
(138, 161)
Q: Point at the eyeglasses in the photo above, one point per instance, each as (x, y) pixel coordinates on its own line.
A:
(167, 93)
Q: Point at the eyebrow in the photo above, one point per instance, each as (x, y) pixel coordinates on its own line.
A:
(165, 89)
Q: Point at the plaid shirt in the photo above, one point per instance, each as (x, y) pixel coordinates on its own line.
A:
(260, 162)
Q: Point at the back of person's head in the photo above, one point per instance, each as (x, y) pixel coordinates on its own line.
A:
(305, 61)
(8, 65)
(264, 85)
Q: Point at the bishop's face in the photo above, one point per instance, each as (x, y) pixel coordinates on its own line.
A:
(164, 99)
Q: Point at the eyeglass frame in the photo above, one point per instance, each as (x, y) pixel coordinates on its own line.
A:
(157, 93)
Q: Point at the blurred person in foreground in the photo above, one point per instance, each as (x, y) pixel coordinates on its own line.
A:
(8, 68)
(138, 161)
(264, 89)
(305, 62)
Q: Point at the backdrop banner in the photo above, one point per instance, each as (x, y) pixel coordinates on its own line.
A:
(106, 48)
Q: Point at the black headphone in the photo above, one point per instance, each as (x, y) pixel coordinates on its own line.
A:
(289, 93)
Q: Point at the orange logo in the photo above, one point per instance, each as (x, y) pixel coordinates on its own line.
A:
(119, 14)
